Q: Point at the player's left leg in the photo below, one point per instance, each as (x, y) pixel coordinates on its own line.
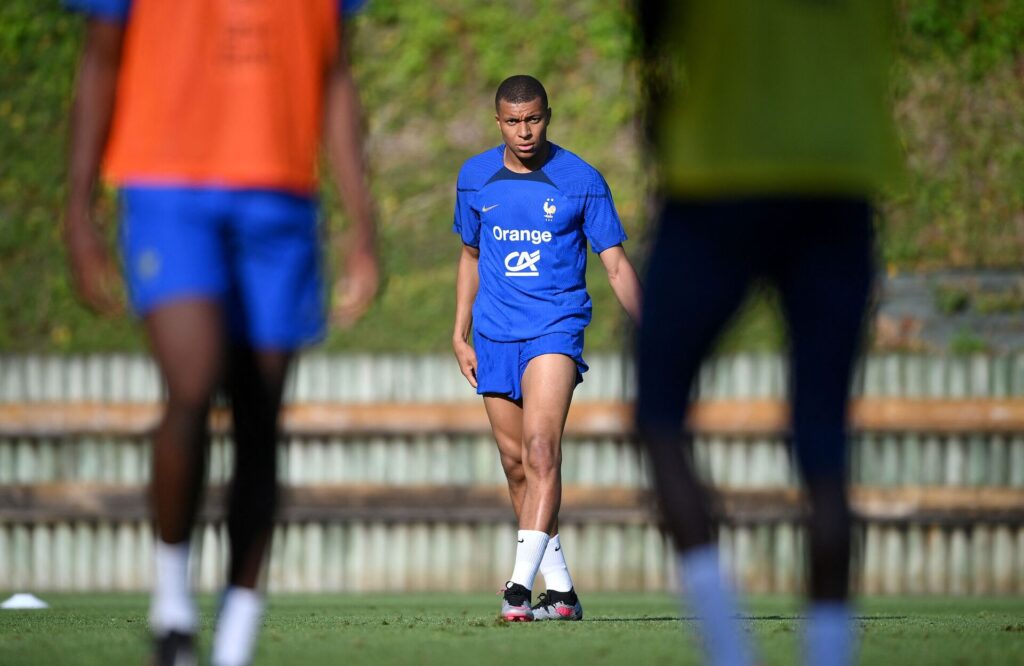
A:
(825, 291)
(255, 382)
(276, 307)
(548, 383)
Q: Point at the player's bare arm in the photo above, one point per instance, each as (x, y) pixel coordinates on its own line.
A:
(358, 284)
(467, 282)
(623, 280)
(95, 274)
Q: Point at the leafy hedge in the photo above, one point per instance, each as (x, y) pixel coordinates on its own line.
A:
(427, 73)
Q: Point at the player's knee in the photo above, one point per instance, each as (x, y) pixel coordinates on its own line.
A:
(190, 396)
(544, 454)
(186, 418)
(513, 468)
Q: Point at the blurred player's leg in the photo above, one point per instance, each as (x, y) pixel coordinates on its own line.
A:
(276, 306)
(187, 340)
(255, 382)
(825, 290)
(694, 284)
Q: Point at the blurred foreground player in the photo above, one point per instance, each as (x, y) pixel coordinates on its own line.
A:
(772, 132)
(525, 211)
(209, 115)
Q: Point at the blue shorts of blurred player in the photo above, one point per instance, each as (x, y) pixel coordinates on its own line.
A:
(255, 251)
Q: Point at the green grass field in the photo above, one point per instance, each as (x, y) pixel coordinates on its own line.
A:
(462, 629)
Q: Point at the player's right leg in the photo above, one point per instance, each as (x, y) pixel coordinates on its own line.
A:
(698, 274)
(498, 380)
(186, 338)
(506, 419)
(173, 264)
(825, 290)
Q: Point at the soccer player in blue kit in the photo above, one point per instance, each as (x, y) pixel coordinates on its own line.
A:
(525, 211)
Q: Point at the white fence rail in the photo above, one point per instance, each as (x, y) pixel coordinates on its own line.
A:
(984, 555)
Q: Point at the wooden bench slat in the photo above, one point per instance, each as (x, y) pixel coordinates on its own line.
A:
(55, 502)
(591, 418)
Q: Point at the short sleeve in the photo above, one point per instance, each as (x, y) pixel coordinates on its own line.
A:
(351, 7)
(467, 220)
(110, 10)
(601, 223)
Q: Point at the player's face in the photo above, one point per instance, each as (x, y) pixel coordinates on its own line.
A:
(524, 127)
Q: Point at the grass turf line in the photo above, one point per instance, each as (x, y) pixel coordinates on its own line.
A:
(463, 629)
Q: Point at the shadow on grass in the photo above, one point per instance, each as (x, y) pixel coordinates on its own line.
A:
(768, 618)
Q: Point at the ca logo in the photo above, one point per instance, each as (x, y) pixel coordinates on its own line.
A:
(549, 209)
(522, 264)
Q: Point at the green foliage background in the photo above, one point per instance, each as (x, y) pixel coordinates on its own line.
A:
(427, 73)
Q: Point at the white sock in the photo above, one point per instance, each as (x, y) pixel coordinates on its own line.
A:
(553, 568)
(172, 607)
(235, 635)
(529, 553)
(712, 600)
(829, 636)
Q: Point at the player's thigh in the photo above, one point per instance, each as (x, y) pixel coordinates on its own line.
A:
(277, 302)
(174, 263)
(697, 276)
(548, 383)
(172, 245)
(506, 418)
(255, 381)
(186, 337)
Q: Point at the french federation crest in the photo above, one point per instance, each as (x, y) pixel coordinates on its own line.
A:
(549, 209)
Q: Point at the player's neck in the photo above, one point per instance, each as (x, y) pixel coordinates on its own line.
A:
(516, 165)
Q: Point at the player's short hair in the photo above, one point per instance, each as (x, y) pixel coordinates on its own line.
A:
(520, 88)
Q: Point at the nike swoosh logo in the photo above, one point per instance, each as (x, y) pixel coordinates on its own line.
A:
(521, 540)
(487, 208)
(558, 548)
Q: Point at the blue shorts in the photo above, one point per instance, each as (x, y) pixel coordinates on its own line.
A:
(500, 365)
(255, 251)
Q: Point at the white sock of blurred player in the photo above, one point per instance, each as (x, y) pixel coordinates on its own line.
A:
(529, 553)
(239, 621)
(172, 607)
(714, 603)
(553, 567)
(829, 635)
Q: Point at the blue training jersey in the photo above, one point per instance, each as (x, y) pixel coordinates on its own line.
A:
(532, 230)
